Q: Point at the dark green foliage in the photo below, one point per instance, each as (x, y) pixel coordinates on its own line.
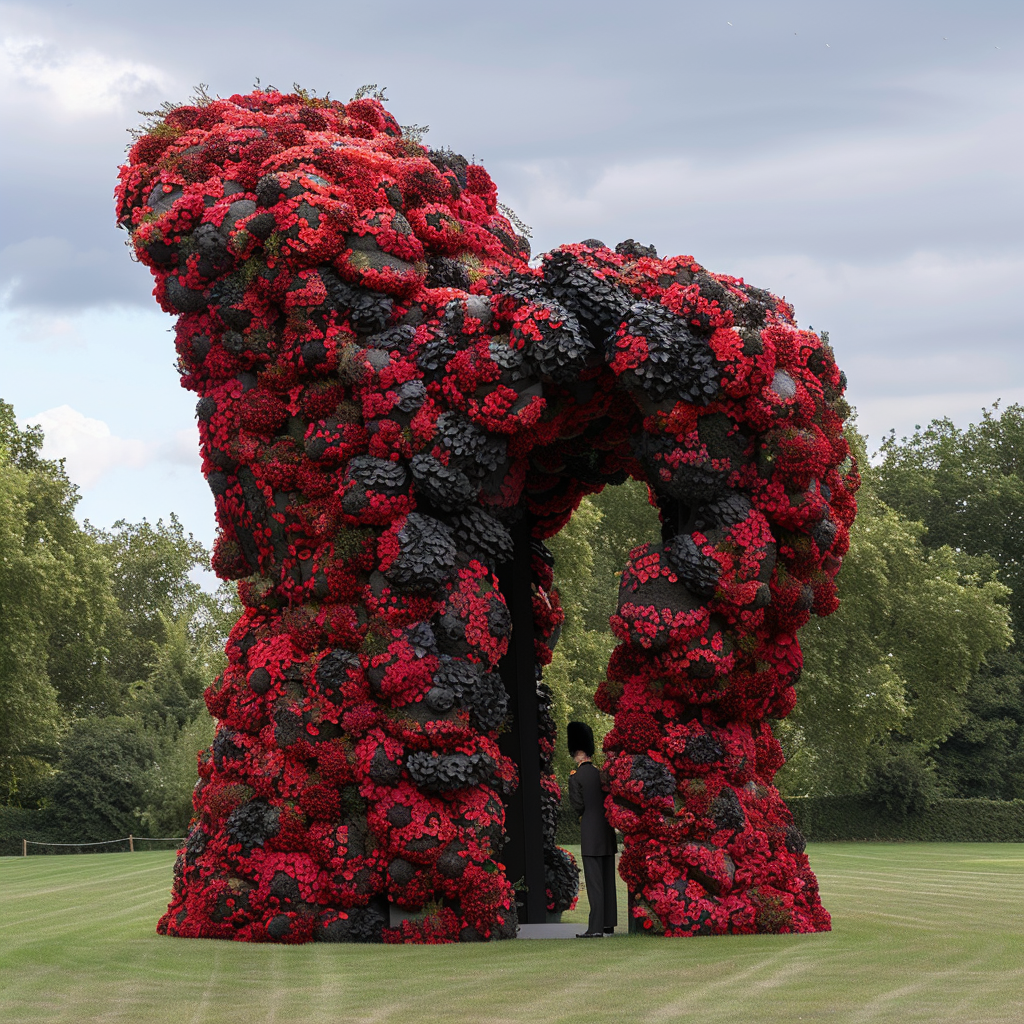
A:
(18, 823)
(54, 597)
(568, 831)
(844, 818)
(170, 782)
(590, 554)
(967, 488)
(901, 781)
(897, 658)
(150, 567)
(171, 695)
(627, 519)
(99, 789)
(106, 646)
(984, 756)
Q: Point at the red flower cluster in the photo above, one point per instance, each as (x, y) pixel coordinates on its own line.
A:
(385, 387)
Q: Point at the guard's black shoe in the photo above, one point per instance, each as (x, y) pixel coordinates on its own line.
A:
(590, 935)
(610, 931)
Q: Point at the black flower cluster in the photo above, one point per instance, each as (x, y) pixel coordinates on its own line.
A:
(689, 483)
(704, 749)
(194, 844)
(427, 557)
(698, 571)
(561, 877)
(656, 778)
(446, 273)
(679, 363)
(442, 773)
(445, 487)
(632, 248)
(550, 809)
(795, 841)
(383, 770)
(433, 355)
(596, 302)
(476, 451)
(356, 924)
(482, 536)
(368, 311)
(480, 693)
(397, 338)
(382, 475)
(726, 811)
(726, 511)
(225, 749)
(334, 668)
(252, 824)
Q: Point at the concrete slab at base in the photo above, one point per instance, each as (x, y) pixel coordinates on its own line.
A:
(550, 931)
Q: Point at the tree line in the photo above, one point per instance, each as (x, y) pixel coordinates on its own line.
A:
(914, 689)
(106, 645)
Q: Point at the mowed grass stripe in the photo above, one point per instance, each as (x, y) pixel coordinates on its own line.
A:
(923, 932)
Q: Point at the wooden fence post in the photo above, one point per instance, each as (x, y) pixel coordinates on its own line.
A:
(131, 844)
(24, 847)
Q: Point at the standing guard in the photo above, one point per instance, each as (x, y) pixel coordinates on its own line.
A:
(598, 844)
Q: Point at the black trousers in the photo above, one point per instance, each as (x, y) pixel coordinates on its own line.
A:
(599, 874)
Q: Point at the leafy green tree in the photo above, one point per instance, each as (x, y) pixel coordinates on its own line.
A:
(171, 695)
(590, 554)
(581, 653)
(627, 520)
(167, 645)
(100, 786)
(151, 570)
(967, 488)
(29, 712)
(170, 782)
(886, 676)
(901, 781)
(984, 755)
(54, 603)
(103, 635)
(896, 658)
(169, 703)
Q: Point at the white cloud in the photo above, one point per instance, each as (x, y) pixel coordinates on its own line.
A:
(903, 413)
(182, 449)
(53, 330)
(91, 450)
(925, 287)
(78, 81)
(865, 190)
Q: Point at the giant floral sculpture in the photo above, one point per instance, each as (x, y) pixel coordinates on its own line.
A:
(386, 388)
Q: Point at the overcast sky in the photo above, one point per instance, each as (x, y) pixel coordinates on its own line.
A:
(862, 159)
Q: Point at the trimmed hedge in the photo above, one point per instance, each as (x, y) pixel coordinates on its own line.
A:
(825, 819)
(836, 818)
(568, 830)
(17, 823)
(821, 819)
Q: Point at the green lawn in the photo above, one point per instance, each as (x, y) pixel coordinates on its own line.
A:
(923, 932)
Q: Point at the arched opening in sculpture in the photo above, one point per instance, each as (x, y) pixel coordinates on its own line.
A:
(396, 410)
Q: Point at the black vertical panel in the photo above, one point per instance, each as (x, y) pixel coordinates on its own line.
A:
(524, 852)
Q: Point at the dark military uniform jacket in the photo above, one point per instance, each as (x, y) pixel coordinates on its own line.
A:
(597, 837)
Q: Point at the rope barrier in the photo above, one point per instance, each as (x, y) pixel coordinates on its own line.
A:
(108, 842)
(130, 840)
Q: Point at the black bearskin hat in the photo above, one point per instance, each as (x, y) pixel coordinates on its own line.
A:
(579, 736)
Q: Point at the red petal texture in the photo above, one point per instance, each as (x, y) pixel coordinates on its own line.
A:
(385, 386)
